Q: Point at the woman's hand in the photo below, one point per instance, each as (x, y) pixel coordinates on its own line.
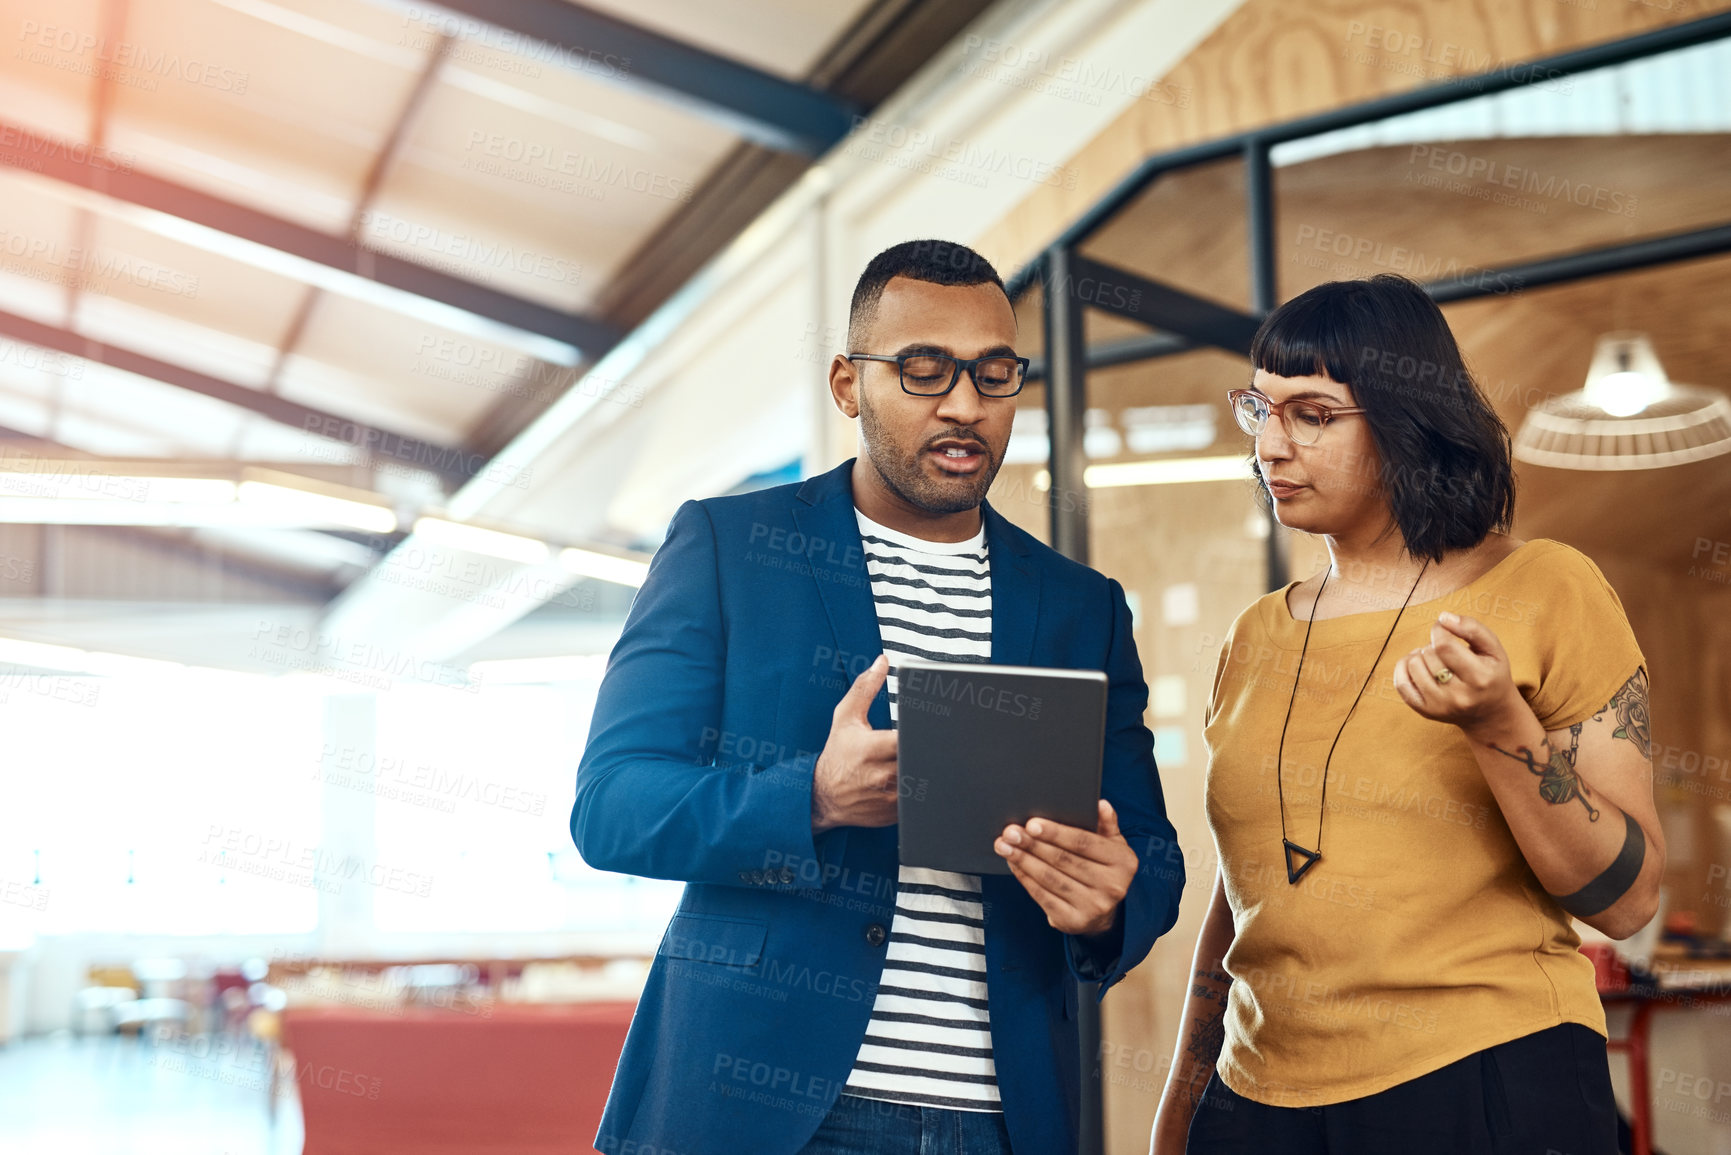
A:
(1475, 690)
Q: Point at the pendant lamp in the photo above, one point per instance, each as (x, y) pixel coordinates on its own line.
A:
(1628, 415)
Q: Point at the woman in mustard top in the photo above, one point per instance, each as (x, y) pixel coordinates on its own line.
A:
(1423, 761)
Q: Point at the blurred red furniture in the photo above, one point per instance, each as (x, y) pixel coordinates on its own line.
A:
(510, 1079)
(1672, 985)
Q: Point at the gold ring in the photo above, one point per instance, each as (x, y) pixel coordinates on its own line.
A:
(1444, 675)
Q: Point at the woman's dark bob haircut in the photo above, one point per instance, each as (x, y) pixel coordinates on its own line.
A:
(1445, 470)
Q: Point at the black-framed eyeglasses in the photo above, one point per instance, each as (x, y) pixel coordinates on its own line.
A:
(1304, 420)
(935, 374)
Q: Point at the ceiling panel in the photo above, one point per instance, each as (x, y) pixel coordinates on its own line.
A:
(567, 172)
(45, 78)
(167, 278)
(39, 249)
(283, 113)
(26, 395)
(481, 154)
(214, 352)
(372, 364)
(140, 417)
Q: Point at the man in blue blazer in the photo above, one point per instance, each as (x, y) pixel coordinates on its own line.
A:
(741, 742)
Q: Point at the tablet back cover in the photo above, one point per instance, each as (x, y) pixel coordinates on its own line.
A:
(981, 746)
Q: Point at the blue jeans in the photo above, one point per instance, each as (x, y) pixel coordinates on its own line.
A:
(860, 1126)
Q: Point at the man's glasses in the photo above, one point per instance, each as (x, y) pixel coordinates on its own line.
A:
(1304, 420)
(934, 374)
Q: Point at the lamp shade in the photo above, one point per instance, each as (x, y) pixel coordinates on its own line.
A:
(1628, 415)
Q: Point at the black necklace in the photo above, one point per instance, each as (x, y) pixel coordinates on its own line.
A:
(1311, 857)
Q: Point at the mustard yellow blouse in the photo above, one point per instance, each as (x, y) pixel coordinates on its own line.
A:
(1421, 936)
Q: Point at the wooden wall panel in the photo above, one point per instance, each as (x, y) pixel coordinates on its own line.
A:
(1274, 60)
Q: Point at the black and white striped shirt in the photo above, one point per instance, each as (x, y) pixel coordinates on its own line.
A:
(929, 1040)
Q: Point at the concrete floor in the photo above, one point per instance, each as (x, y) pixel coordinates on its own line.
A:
(117, 1096)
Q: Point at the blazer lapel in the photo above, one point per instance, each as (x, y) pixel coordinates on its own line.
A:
(1015, 609)
(824, 513)
(1015, 592)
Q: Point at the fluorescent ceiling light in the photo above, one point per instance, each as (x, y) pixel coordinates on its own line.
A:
(587, 563)
(83, 485)
(492, 542)
(300, 507)
(59, 511)
(1173, 471)
(537, 671)
(72, 493)
(67, 659)
(55, 511)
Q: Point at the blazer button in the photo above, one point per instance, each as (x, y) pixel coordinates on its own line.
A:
(757, 877)
(875, 934)
(745, 876)
(787, 874)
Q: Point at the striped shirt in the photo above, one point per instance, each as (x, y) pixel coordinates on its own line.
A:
(929, 1040)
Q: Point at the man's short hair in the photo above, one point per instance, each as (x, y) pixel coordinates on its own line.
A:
(938, 262)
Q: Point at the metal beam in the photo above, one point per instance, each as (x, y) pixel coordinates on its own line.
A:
(1607, 261)
(444, 460)
(1135, 297)
(1448, 91)
(102, 172)
(1259, 228)
(1130, 350)
(1264, 295)
(1624, 258)
(767, 109)
(1066, 402)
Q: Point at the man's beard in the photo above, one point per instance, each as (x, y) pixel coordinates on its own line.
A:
(906, 476)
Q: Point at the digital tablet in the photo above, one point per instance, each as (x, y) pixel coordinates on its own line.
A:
(981, 746)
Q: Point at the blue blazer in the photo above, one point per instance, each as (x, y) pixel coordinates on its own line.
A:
(756, 616)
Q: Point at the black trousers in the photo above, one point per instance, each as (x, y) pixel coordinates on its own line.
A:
(1548, 1093)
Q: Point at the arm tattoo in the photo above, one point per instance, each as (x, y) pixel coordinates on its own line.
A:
(1207, 1037)
(1559, 784)
(1207, 1029)
(1615, 880)
(1629, 704)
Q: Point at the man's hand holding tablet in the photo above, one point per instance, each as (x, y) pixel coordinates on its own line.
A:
(854, 781)
(1079, 877)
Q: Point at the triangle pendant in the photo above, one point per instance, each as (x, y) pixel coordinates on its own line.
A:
(1295, 852)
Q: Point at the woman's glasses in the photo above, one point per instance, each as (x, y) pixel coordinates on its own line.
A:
(1304, 420)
